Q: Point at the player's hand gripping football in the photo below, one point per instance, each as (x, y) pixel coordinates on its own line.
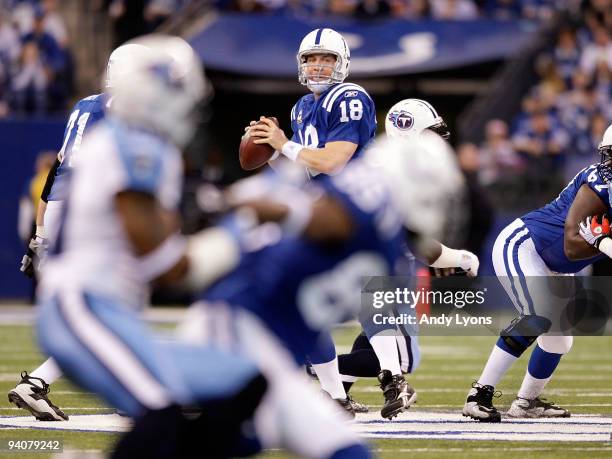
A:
(34, 256)
(268, 132)
(593, 230)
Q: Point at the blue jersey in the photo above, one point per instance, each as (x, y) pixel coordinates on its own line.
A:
(547, 224)
(345, 112)
(299, 288)
(85, 114)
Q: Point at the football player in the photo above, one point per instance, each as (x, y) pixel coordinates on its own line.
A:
(90, 294)
(301, 273)
(31, 393)
(558, 239)
(330, 126)
(388, 352)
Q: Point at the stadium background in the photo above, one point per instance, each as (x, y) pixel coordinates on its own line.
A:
(505, 71)
(524, 85)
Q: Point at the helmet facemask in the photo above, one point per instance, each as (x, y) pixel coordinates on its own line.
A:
(312, 81)
(441, 129)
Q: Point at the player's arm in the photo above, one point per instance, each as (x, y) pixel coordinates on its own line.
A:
(586, 203)
(37, 246)
(165, 256)
(324, 220)
(329, 160)
(148, 228)
(438, 255)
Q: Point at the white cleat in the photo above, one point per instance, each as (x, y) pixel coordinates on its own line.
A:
(31, 395)
(536, 408)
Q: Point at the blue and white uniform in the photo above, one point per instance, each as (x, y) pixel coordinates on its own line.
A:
(93, 289)
(288, 292)
(84, 116)
(344, 112)
(532, 247)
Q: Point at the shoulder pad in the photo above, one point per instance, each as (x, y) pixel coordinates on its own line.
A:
(342, 91)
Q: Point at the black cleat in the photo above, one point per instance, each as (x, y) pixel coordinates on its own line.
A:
(399, 395)
(479, 403)
(32, 396)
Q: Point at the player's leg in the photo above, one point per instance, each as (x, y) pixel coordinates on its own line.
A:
(544, 359)
(324, 362)
(519, 335)
(293, 415)
(107, 350)
(31, 393)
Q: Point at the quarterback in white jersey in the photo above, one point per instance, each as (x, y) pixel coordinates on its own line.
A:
(120, 233)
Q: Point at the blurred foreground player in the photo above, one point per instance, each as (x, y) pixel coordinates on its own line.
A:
(91, 294)
(301, 273)
(559, 239)
(389, 351)
(32, 391)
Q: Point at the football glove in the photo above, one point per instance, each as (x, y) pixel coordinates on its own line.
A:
(34, 256)
(469, 263)
(593, 231)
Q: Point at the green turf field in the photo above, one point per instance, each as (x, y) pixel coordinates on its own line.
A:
(583, 383)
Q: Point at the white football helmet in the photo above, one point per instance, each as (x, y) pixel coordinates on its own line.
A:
(121, 55)
(605, 146)
(410, 117)
(423, 177)
(324, 41)
(159, 87)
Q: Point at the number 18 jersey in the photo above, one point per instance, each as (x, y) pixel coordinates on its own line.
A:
(344, 112)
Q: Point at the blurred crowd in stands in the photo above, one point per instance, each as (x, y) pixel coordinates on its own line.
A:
(36, 66)
(563, 116)
(406, 9)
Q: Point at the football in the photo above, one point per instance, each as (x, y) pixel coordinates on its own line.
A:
(253, 155)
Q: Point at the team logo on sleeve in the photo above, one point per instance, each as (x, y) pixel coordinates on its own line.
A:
(401, 120)
(299, 118)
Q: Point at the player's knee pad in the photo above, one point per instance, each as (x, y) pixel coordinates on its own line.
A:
(555, 344)
(523, 331)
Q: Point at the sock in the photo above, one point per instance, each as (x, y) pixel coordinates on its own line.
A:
(360, 363)
(498, 364)
(385, 347)
(542, 364)
(329, 377)
(48, 372)
(347, 386)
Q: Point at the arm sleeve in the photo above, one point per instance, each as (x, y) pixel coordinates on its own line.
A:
(50, 179)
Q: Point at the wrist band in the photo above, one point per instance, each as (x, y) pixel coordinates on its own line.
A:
(605, 246)
(449, 258)
(40, 231)
(291, 150)
(164, 257)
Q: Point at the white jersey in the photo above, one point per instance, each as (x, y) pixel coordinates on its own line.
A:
(92, 251)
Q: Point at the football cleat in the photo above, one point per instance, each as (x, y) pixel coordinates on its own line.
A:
(358, 407)
(479, 403)
(31, 395)
(399, 395)
(536, 408)
(346, 405)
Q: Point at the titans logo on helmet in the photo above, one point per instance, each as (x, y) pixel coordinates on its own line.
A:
(401, 120)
